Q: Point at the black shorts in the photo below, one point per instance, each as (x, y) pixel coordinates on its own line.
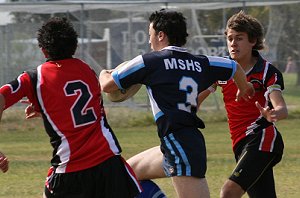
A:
(184, 153)
(254, 169)
(110, 179)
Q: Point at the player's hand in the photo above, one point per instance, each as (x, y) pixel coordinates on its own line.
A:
(246, 94)
(3, 163)
(29, 110)
(266, 112)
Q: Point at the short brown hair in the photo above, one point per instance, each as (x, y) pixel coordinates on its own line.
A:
(242, 22)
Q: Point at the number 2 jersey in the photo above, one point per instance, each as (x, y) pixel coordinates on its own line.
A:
(174, 78)
(67, 93)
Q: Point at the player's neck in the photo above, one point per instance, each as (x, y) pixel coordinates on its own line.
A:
(248, 63)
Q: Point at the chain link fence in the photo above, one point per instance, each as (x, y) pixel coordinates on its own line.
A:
(109, 37)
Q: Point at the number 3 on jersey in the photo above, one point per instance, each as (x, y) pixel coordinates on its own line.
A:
(80, 114)
(188, 85)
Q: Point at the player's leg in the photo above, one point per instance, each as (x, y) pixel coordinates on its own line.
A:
(148, 164)
(150, 190)
(191, 187)
(251, 167)
(119, 180)
(185, 162)
(231, 189)
(264, 187)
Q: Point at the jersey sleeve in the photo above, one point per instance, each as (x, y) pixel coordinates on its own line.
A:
(124, 77)
(273, 80)
(222, 69)
(16, 90)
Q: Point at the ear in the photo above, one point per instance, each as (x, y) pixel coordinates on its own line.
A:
(253, 42)
(161, 35)
(45, 53)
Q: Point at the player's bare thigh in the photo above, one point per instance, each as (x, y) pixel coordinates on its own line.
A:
(192, 187)
(148, 164)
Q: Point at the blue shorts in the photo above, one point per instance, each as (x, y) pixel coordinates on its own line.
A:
(184, 153)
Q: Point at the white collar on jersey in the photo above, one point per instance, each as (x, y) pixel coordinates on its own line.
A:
(175, 48)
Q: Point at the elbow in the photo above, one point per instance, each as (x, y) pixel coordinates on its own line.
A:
(103, 86)
(285, 114)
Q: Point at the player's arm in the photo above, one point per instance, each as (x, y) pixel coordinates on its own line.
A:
(204, 94)
(107, 82)
(148, 164)
(245, 88)
(30, 111)
(279, 110)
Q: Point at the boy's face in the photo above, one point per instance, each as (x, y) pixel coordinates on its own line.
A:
(238, 44)
(153, 38)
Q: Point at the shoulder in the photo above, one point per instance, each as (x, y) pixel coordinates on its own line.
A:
(221, 61)
(156, 54)
(31, 72)
(273, 69)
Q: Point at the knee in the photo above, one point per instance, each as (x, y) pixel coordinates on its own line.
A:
(225, 192)
(231, 190)
(134, 164)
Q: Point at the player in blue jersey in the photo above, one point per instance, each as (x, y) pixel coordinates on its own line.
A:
(174, 78)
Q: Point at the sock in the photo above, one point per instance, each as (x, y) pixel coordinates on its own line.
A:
(150, 190)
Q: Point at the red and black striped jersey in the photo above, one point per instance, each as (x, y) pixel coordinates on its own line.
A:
(243, 117)
(68, 95)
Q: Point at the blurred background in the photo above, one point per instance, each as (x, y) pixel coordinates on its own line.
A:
(111, 32)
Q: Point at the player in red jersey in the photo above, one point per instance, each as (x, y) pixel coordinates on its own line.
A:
(256, 142)
(86, 159)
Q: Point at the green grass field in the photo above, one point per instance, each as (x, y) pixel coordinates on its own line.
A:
(27, 146)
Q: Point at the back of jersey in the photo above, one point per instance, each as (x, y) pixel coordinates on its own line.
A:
(68, 92)
(174, 78)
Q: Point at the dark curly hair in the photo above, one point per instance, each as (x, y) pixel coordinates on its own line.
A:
(58, 37)
(172, 23)
(241, 22)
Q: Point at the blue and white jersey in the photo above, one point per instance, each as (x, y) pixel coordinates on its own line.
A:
(174, 78)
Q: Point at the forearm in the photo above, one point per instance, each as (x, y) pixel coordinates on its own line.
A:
(107, 82)
(245, 88)
(240, 78)
(281, 112)
(204, 94)
(279, 105)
